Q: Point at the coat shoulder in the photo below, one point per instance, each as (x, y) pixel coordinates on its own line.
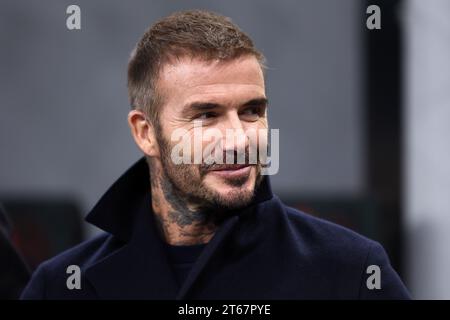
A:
(325, 234)
(51, 275)
(348, 254)
(85, 253)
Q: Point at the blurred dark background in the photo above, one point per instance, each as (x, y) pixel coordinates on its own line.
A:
(339, 93)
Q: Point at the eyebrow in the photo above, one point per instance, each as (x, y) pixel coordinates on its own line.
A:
(256, 102)
(205, 106)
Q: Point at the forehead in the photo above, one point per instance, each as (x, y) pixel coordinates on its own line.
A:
(194, 79)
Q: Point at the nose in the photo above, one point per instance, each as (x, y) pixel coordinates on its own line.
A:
(235, 140)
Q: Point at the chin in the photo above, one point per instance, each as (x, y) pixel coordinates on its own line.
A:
(235, 192)
(232, 194)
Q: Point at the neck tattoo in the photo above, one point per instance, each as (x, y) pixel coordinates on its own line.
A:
(178, 222)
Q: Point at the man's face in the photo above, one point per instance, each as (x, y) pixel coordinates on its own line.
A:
(222, 95)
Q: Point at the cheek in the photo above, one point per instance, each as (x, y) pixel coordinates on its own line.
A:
(262, 123)
(258, 138)
(200, 144)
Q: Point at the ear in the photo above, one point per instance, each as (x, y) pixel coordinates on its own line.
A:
(143, 133)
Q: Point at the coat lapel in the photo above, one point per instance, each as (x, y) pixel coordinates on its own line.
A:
(140, 268)
(207, 254)
(222, 235)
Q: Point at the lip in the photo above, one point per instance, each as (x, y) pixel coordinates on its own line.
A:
(234, 171)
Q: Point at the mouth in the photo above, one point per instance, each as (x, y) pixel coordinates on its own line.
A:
(231, 170)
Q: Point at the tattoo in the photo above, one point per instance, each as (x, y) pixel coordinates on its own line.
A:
(177, 223)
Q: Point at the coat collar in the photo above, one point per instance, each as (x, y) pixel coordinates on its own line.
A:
(116, 210)
(140, 269)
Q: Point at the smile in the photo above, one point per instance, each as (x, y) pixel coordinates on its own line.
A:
(232, 170)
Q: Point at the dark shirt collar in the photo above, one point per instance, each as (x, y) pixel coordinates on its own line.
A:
(117, 209)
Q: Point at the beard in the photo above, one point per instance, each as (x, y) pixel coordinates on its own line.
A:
(185, 184)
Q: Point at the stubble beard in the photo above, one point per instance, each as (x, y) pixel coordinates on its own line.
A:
(184, 184)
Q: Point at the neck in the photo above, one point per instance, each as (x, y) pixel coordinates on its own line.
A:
(179, 222)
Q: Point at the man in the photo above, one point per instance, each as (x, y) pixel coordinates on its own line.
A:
(14, 274)
(207, 230)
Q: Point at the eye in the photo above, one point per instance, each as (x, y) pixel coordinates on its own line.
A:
(252, 110)
(205, 115)
(252, 113)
